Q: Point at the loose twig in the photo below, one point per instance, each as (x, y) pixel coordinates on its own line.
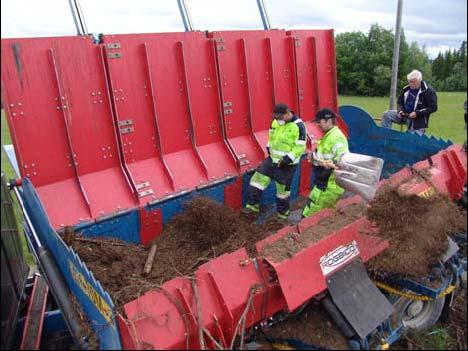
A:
(199, 317)
(150, 259)
(243, 316)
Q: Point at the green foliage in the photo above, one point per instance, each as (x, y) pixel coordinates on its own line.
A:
(364, 63)
(449, 70)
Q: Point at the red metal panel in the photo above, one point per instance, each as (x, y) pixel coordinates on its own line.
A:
(233, 194)
(325, 65)
(316, 73)
(67, 130)
(301, 277)
(151, 225)
(35, 116)
(205, 106)
(177, 141)
(132, 96)
(447, 174)
(81, 78)
(247, 91)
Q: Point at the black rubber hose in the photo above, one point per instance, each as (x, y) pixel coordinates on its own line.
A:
(337, 317)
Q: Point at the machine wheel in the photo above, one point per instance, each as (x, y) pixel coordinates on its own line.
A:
(417, 316)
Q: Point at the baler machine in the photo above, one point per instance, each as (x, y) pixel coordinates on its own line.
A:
(112, 137)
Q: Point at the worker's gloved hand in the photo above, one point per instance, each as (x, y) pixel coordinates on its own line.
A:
(328, 164)
(286, 160)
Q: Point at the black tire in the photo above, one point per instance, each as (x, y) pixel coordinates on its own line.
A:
(417, 316)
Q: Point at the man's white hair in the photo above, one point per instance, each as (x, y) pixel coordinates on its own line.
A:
(414, 74)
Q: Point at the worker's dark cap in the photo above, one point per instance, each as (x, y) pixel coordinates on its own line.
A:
(280, 109)
(325, 113)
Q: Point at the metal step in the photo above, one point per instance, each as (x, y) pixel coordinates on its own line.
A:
(32, 329)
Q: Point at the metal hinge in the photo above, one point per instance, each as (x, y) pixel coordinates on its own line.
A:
(227, 104)
(220, 47)
(113, 45)
(228, 111)
(297, 42)
(244, 162)
(112, 55)
(219, 40)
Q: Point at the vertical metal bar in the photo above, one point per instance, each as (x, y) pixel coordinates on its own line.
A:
(264, 15)
(292, 42)
(313, 55)
(153, 105)
(246, 67)
(270, 51)
(396, 55)
(335, 76)
(220, 102)
(185, 14)
(78, 17)
(67, 116)
(180, 45)
(115, 121)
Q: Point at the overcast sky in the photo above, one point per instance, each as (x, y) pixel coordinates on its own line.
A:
(437, 24)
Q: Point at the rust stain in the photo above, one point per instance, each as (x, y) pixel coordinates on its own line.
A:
(19, 67)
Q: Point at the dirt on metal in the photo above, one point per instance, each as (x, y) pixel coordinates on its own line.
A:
(293, 243)
(416, 228)
(204, 230)
(312, 327)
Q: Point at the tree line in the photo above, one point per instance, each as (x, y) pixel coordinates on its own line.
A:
(364, 63)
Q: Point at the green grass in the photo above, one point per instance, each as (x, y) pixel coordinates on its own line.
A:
(446, 123)
(9, 173)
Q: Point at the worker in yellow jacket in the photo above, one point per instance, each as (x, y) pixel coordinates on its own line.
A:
(331, 146)
(286, 145)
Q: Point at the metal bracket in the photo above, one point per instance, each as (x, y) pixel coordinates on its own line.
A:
(142, 185)
(227, 104)
(126, 130)
(219, 40)
(125, 122)
(113, 45)
(228, 111)
(220, 47)
(244, 162)
(145, 193)
(112, 55)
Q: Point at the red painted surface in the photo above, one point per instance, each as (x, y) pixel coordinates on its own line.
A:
(99, 128)
(224, 282)
(233, 194)
(151, 224)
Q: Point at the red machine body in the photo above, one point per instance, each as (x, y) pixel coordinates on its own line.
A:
(166, 318)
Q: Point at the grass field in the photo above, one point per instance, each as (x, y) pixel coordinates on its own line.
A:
(447, 122)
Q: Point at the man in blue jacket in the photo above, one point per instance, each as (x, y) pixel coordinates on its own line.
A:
(414, 106)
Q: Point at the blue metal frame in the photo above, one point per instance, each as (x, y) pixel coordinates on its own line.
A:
(396, 148)
(80, 280)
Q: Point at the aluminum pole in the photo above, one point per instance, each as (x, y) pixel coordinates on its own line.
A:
(396, 55)
(185, 14)
(78, 17)
(264, 15)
